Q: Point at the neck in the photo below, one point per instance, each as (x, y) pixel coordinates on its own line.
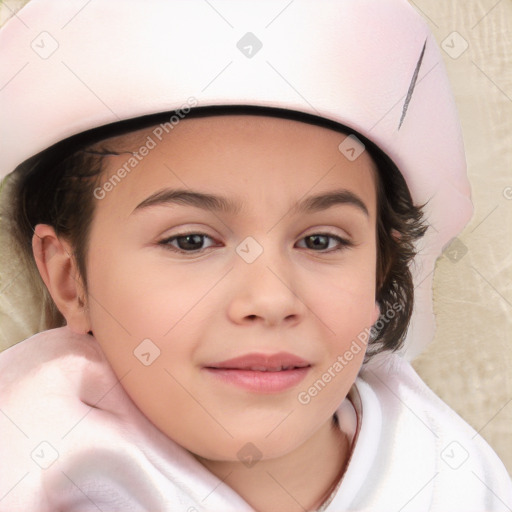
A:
(299, 481)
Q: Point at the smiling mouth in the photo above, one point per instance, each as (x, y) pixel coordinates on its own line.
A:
(264, 368)
(261, 373)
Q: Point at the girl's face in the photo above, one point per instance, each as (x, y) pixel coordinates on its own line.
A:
(230, 273)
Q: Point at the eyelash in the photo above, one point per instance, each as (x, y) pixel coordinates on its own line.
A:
(166, 242)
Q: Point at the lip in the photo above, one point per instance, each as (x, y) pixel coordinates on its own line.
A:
(261, 373)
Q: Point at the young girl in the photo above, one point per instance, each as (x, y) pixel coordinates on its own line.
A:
(233, 208)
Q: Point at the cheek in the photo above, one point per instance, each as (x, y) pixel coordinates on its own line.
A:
(141, 305)
(147, 326)
(344, 300)
(346, 308)
(139, 295)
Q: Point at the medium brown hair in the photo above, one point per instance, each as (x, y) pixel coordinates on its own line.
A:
(56, 187)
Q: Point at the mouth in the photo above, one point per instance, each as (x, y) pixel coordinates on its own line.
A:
(261, 373)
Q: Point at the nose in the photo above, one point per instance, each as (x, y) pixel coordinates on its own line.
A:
(265, 292)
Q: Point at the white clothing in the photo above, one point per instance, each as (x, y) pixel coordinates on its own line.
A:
(72, 440)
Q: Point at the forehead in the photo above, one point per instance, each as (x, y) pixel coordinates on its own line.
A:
(238, 155)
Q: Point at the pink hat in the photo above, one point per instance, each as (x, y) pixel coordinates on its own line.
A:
(371, 65)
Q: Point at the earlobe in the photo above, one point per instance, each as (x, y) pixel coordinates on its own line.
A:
(58, 270)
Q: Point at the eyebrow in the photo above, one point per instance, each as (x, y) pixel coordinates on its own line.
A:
(327, 200)
(216, 203)
(169, 196)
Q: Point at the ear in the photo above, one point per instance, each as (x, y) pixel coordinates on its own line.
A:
(60, 275)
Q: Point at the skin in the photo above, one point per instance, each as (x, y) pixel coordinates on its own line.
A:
(200, 308)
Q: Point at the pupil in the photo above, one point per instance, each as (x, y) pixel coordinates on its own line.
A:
(317, 241)
(190, 241)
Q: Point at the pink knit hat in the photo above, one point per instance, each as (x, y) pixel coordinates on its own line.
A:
(371, 65)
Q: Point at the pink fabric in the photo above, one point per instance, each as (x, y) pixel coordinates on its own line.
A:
(68, 428)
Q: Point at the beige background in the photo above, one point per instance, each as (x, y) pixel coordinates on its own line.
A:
(469, 363)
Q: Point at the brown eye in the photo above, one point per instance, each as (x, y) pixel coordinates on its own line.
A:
(187, 242)
(190, 242)
(325, 242)
(317, 242)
